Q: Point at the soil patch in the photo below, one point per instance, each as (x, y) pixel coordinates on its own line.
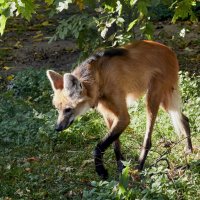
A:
(26, 45)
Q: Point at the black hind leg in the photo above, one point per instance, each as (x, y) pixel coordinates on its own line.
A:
(118, 155)
(187, 133)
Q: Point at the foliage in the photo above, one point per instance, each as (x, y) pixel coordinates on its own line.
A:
(18, 106)
(160, 178)
(102, 23)
(101, 190)
(156, 183)
(47, 165)
(31, 84)
(11, 8)
(191, 97)
(82, 28)
(114, 23)
(183, 10)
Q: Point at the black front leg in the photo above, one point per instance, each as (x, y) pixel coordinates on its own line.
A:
(98, 154)
(100, 169)
(99, 151)
(104, 144)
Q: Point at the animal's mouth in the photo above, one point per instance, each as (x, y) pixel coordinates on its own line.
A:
(61, 128)
(71, 122)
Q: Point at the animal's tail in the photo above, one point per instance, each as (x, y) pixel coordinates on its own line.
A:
(172, 103)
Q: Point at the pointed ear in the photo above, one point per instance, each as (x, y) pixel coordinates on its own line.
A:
(55, 79)
(72, 85)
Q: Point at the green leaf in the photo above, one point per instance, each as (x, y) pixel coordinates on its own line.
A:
(124, 179)
(183, 10)
(49, 2)
(133, 2)
(132, 24)
(26, 8)
(148, 30)
(110, 22)
(142, 7)
(120, 20)
(63, 5)
(103, 32)
(121, 189)
(3, 20)
(119, 8)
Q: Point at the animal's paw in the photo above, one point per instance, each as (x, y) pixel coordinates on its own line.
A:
(102, 172)
(120, 166)
(139, 167)
(188, 151)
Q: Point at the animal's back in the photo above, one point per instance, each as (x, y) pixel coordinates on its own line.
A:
(133, 71)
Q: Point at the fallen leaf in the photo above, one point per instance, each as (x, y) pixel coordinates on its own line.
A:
(188, 49)
(45, 23)
(38, 36)
(8, 167)
(38, 40)
(84, 180)
(196, 149)
(86, 162)
(6, 68)
(10, 77)
(18, 45)
(28, 169)
(8, 198)
(67, 169)
(19, 192)
(32, 159)
(6, 48)
(135, 175)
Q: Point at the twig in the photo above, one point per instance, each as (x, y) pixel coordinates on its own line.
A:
(165, 153)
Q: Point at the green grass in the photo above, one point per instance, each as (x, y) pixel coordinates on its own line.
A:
(38, 163)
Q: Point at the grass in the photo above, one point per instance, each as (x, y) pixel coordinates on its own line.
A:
(38, 163)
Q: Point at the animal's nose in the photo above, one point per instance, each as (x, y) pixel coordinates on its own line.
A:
(58, 128)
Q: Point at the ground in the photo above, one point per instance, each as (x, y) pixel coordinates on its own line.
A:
(25, 44)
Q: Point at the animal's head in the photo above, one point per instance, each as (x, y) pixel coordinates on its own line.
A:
(70, 98)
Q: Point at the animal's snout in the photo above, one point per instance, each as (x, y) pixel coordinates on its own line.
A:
(59, 127)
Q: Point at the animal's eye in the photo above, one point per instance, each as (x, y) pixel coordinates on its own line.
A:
(67, 110)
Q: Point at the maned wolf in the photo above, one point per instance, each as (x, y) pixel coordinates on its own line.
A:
(109, 80)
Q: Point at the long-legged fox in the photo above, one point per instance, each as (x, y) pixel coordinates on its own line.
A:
(109, 80)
